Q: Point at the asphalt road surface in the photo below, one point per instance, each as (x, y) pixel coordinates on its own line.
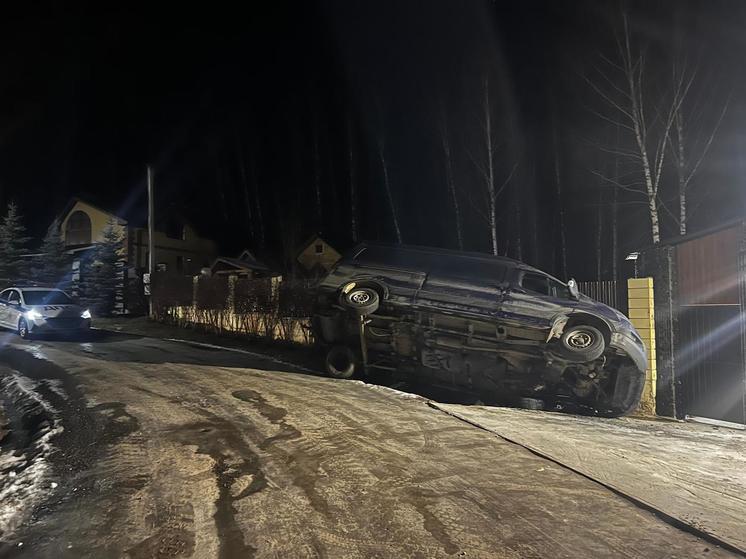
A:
(135, 447)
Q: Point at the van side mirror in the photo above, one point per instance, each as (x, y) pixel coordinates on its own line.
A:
(572, 286)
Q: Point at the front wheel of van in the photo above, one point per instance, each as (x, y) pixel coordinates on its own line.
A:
(581, 343)
(361, 300)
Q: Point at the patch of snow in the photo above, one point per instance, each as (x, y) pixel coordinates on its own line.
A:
(55, 385)
(389, 390)
(27, 482)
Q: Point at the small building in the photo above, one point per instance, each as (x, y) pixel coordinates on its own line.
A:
(245, 266)
(316, 256)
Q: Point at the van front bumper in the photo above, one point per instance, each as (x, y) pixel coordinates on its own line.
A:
(626, 343)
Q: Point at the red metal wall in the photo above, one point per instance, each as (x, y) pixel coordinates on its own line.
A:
(708, 268)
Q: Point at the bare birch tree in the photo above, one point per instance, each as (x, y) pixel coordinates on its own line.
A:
(621, 84)
(353, 185)
(487, 166)
(387, 184)
(445, 144)
(599, 235)
(689, 150)
(316, 167)
(559, 199)
(257, 202)
(244, 185)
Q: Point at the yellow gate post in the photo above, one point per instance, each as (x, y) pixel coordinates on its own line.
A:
(642, 316)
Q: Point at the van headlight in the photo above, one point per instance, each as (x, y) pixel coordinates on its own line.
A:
(85, 314)
(33, 314)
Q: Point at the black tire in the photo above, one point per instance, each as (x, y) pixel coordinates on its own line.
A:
(581, 343)
(341, 362)
(23, 330)
(361, 300)
(626, 392)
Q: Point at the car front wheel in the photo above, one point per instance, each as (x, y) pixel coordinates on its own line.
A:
(23, 330)
(581, 343)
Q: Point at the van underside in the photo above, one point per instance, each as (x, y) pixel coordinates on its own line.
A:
(500, 363)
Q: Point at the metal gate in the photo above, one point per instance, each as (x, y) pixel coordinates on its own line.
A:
(709, 362)
(710, 348)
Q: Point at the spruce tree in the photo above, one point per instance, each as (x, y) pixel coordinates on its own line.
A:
(101, 273)
(52, 265)
(12, 245)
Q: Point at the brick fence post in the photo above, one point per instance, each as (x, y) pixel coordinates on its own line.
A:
(642, 315)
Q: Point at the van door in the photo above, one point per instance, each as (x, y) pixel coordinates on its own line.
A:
(466, 287)
(534, 299)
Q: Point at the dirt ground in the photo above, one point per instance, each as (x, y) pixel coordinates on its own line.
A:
(153, 448)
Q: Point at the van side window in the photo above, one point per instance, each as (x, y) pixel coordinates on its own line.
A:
(15, 297)
(4, 295)
(558, 290)
(536, 283)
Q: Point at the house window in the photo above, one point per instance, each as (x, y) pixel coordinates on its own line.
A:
(319, 248)
(180, 264)
(175, 230)
(78, 229)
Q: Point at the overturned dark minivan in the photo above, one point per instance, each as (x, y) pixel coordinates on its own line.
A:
(486, 324)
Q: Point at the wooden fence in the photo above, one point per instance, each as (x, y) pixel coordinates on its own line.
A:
(609, 292)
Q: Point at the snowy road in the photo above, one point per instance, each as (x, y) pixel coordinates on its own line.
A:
(147, 448)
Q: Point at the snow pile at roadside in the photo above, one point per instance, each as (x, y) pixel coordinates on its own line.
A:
(24, 455)
(390, 390)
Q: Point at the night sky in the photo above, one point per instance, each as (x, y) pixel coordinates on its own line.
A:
(243, 108)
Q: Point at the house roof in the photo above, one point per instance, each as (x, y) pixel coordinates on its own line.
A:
(75, 199)
(133, 212)
(311, 240)
(245, 261)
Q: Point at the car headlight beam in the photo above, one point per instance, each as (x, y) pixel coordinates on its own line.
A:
(33, 314)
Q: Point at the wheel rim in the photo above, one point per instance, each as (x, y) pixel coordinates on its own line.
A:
(360, 297)
(23, 330)
(580, 339)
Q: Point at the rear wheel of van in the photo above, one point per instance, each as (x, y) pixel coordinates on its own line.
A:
(341, 362)
(581, 343)
(361, 300)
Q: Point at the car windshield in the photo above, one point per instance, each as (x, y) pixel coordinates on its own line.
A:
(50, 297)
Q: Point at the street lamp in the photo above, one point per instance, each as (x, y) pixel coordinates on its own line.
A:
(633, 256)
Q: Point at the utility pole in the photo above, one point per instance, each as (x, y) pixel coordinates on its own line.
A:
(151, 240)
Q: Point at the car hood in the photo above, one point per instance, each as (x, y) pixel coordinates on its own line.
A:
(57, 311)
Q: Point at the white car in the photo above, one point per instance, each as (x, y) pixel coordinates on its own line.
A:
(32, 310)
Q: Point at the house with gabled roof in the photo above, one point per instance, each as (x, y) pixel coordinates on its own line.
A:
(179, 249)
(316, 256)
